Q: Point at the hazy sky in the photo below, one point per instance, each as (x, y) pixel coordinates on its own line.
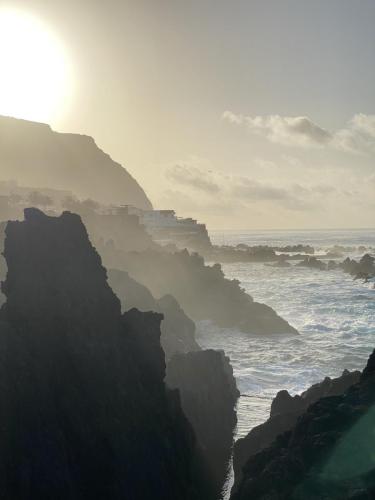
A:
(242, 113)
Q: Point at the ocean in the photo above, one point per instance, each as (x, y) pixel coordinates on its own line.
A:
(333, 312)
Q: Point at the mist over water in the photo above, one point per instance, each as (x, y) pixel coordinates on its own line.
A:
(333, 313)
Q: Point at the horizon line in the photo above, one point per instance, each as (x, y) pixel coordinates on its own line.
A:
(301, 229)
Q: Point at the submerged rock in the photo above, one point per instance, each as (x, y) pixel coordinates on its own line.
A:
(85, 413)
(208, 397)
(326, 454)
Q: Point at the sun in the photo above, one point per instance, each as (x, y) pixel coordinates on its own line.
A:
(35, 74)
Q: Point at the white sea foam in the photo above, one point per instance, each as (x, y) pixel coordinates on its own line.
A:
(333, 313)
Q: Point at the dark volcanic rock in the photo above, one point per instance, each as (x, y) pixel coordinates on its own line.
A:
(202, 290)
(327, 454)
(34, 155)
(177, 329)
(296, 249)
(3, 265)
(240, 253)
(285, 410)
(285, 403)
(85, 413)
(312, 263)
(208, 396)
(364, 269)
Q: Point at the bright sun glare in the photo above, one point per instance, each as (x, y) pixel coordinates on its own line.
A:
(35, 78)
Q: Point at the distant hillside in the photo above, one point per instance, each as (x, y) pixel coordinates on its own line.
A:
(33, 154)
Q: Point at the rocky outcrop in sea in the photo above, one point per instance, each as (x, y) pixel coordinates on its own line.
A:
(202, 290)
(363, 269)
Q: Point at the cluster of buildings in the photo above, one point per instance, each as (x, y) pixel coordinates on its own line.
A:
(166, 228)
(163, 226)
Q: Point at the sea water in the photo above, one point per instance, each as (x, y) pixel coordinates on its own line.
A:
(333, 313)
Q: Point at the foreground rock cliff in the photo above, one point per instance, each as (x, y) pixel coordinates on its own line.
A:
(285, 410)
(84, 410)
(328, 453)
(34, 155)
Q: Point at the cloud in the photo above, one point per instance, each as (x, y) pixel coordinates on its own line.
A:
(249, 189)
(365, 124)
(287, 130)
(213, 189)
(194, 177)
(300, 131)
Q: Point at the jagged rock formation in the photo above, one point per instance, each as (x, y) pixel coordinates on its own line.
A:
(3, 265)
(285, 403)
(34, 155)
(364, 269)
(300, 248)
(327, 454)
(285, 410)
(312, 263)
(240, 253)
(177, 329)
(202, 290)
(85, 413)
(208, 396)
(256, 253)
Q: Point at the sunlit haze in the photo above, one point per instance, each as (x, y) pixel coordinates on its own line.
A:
(35, 79)
(246, 114)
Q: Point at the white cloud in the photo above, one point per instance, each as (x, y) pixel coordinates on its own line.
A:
(210, 189)
(194, 177)
(301, 131)
(365, 124)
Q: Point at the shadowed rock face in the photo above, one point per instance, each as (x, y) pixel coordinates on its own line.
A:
(202, 290)
(34, 155)
(327, 454)
(177, 329)
(84, 412)
(208, 396)
(285, 410)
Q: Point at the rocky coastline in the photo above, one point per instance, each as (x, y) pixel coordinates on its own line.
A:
(327, 453)
(284, 413)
